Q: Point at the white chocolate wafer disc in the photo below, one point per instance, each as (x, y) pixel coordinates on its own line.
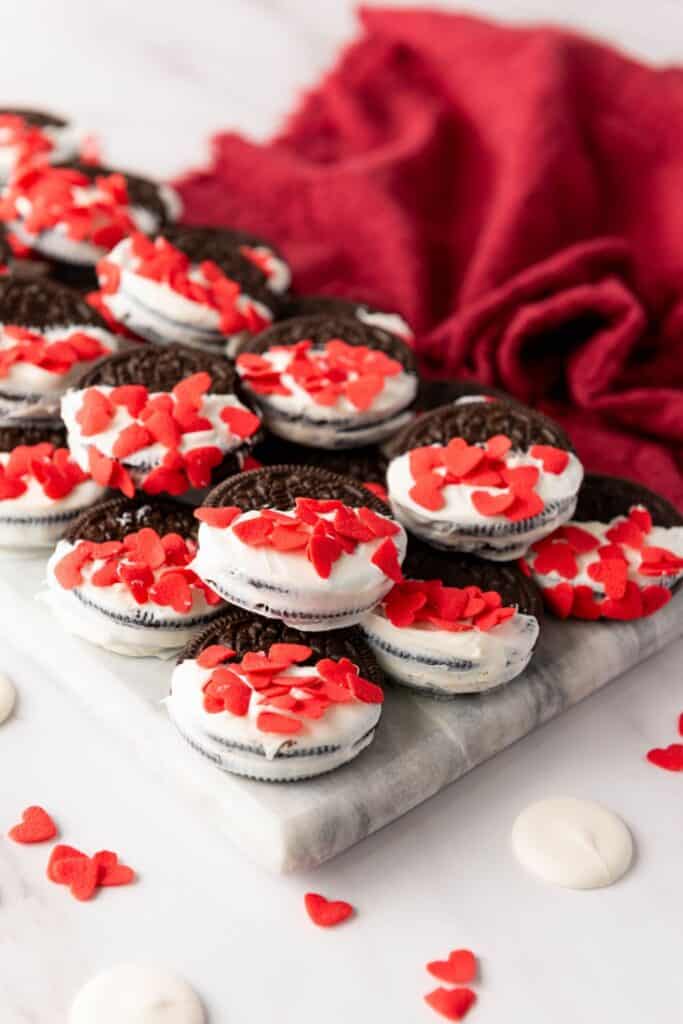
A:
(577, 844)
(136, 994)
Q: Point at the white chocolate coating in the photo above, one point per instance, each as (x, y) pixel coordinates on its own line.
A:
(446, 663)
(297, 417)
(26, 382)
(136, 994)
(285, 585)
(573, 843)
(111, 618)
(459, 525)
(237, 745)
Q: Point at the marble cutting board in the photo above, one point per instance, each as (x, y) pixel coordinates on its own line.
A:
(421, 745)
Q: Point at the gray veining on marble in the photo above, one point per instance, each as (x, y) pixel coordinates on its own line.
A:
(421, 745)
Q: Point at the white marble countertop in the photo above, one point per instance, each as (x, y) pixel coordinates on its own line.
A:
(154, 81)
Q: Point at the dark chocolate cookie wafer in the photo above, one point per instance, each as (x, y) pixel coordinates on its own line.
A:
(115, 518)
(42, 489)
(619, 557)
(263, 700)
(161, 370)
(333, 305)
(330, 381)
(488, 478)
(367, 464)
(48, 336)
(208, 288)
(122, 577)
(160, 420)
(299, 543)
(280, 486)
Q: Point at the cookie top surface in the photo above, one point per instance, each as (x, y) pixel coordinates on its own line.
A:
(278, 487)
(433, 393)
(243, 632)
(114, 518)
(223, 247)
(457, 569)
(160, 369)
(603, 498)
(476, 422)
(335, 305)
(367, 464)
(31, 429)
(322, 328)
(42, 303)
(39, 118)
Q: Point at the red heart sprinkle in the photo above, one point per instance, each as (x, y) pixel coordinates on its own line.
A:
(271, 722)
(498, 446)
(364, 390)
(241, 422)
(326, 913)
(559, 599)
(378, 525)
(669, 758)
(131, 439)
(61, 852)
(254, 532)
(214, 654)
(220, 518)
(191, 390)
(132, 396)
(459, 969)
(322, 553)
(555, 460)
(111, 871)
(290, 652)
(423, 460)
(386, 560)
(612, 573)
(654, 598)
(95, 414)
(628, 607)
(585, 604)
(79, 873)
(461, 458)
(36, 827)
(492, 504)
(580, 540)
(426, 491)
(453, 1004)
(555, 556)
(641, 517)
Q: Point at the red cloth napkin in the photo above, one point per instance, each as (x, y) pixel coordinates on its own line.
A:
(516, 193)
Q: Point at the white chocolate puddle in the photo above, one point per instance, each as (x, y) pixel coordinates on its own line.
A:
(577, 844)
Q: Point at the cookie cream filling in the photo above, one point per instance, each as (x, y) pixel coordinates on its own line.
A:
(33, 520)
(26, 381)
(458, 524)
(157, 312)
(141, 462)
(298, 417)
(285, 585)
(443, 663)
(110, 617)
(236, 744)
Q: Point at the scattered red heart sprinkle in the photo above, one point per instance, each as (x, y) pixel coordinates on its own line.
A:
(459, 969)
(670, 758)
(36, 826)
(326, 913)
(453, 1004)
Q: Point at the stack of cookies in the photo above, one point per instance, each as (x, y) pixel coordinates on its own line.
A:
(263, 482)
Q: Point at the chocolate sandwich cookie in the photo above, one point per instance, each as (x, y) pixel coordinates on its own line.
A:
(263, 700)
(72, 216)
(121, 578)
(330, 381)
(367, 464)
(332, 305)
(204, 287)
(487, 478)
(48, 335)
(619, 556)
(433, 393)
(456, 624)
(159, 420)
(34, 136)
(298, 543)
(42, 488)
